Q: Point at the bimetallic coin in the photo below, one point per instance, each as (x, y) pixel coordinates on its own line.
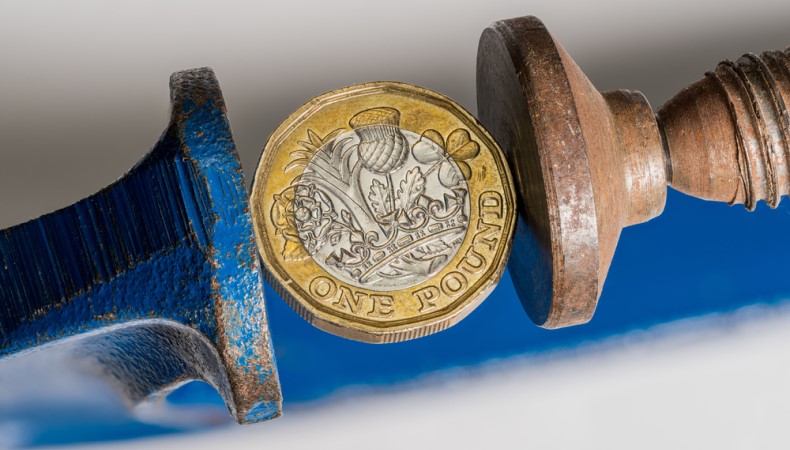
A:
(383, 212)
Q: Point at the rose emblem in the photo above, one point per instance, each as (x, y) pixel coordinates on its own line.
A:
(314, 215)
(285, 225)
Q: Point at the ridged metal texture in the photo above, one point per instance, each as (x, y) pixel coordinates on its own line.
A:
(161, 264)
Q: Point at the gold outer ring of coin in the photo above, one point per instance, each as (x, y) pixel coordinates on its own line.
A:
(383, 212)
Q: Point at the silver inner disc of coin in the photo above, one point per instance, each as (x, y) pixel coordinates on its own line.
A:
(380, 207)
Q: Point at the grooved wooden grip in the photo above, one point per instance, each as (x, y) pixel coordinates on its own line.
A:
(589, 164)
(728, 135)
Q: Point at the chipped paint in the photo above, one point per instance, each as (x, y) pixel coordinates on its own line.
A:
(171, 240)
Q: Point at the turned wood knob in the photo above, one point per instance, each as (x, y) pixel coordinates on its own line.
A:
(588, 163)
(728, 135)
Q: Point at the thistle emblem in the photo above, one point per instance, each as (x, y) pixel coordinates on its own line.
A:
(382, 147)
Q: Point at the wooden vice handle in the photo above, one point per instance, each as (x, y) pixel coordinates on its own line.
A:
(727, 136)
(588, 164)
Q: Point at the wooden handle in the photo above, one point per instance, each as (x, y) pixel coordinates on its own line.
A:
(727, 136)
(588, 164)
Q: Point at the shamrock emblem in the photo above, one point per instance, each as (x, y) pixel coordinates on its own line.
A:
(432, 148)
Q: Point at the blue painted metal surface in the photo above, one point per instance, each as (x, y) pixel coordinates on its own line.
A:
(162, 263)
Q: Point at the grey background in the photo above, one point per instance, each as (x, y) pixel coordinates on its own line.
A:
(84, 84)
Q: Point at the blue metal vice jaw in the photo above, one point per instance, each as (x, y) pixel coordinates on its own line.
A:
(156, 277)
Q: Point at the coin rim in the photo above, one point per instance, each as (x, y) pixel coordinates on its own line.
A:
(354, 327)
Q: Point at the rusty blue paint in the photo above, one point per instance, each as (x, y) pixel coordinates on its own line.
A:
(169, 243)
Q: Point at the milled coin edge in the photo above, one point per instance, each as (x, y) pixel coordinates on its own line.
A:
(360, 331)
